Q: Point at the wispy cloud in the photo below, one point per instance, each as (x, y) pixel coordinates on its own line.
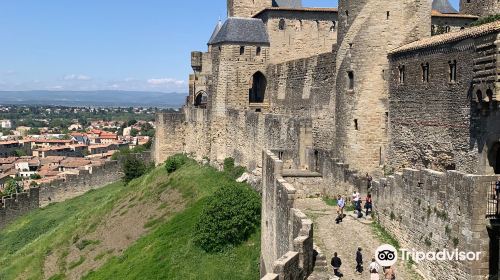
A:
(74, 77)
(166, 81)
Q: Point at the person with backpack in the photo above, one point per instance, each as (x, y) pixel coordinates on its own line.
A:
(359, 261)
(336, 263)
(369, 180)
(374, 269)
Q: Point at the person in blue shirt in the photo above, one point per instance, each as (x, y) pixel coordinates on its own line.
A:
(340, 209)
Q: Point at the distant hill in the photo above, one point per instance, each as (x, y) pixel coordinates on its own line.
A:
(94, 98)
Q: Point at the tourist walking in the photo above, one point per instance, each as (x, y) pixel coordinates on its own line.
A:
(389, 273)
(359, 261)
(340, 209)
(369, 180)
(369, 204)
(336, 263)
(374, 270)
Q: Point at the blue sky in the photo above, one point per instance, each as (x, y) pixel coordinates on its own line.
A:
(110, 44)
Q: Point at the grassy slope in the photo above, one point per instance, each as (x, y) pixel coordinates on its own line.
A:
(166, 252)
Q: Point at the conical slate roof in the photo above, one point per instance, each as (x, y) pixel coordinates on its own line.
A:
(444, 7)
(287, 3)
(216, 31)
(242, 30)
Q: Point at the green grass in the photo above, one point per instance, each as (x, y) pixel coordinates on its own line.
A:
(169, 253)
(166, 252)
(384, 236)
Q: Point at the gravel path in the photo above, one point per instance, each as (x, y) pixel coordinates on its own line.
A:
(344, 238)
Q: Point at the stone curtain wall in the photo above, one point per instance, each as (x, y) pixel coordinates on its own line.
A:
(451, 133)
(14, 206)
(169, 137)
(430, 211)
(305, 34)
(287, 234)
(74, 185)
(480, 8)
(17, 205)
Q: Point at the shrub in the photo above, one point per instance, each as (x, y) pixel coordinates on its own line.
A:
(175, 162)
(229, 217)
(133, 168)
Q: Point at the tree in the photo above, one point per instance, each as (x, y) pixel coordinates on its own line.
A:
(134, 132)
(133, 168)
(12, 187)
(20, 153)
(132, 122)
(35, 176)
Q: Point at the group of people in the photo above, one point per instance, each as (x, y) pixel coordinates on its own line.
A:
(357, 203)
(374, 268)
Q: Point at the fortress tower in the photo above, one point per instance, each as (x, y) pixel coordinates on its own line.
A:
(246, 8)
(368, 30)
(480, 7)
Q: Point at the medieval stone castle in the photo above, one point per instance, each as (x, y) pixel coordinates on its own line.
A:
(403, 89)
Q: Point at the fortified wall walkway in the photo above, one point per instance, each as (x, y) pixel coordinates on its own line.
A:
(344, 238)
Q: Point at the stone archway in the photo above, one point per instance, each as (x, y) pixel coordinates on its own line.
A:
(257, 92)
(201, 99)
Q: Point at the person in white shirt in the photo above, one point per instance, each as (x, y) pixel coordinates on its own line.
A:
(374, 269)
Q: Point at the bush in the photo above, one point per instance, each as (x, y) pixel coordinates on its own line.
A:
(229, 217)
(175, 162)
(133, 168)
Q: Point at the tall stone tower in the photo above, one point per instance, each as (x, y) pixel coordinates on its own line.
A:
(480, 7)
(246, 8)
(368, 30)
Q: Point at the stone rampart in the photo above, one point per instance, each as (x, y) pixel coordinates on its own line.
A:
(17, 205)
(287, 234)
(73, 185)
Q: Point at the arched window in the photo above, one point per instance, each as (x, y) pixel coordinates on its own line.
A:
(447, 29)
(201, 99)
(281, 25)
(425, 72)
(258, 51)
(350, 83)
(453, 71)
(257, 92)
(242, 50)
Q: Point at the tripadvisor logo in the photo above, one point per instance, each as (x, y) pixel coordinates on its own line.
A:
(386, 255)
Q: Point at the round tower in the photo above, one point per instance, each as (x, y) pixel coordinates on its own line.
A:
(368, 30)
(480, 8)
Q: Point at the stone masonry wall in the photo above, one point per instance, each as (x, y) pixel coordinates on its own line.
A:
(480, 7)
(430, 211)
(287, 234)
(169, 138)
(304, 34)
(74, 185)
(368, 30)
(17, 205)
(453, 130)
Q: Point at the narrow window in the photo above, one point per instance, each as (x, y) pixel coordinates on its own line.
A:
(453, 71)
(388, 14)
(242, 50)
(281, 25)
(347, 13)
(447, 29)
(301, 24)
(402, 73)
(317, 25)
(356, 127)
(258, 51)
(350, 76)
(425, 73)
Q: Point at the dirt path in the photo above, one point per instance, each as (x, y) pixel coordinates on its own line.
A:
(344, 238)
